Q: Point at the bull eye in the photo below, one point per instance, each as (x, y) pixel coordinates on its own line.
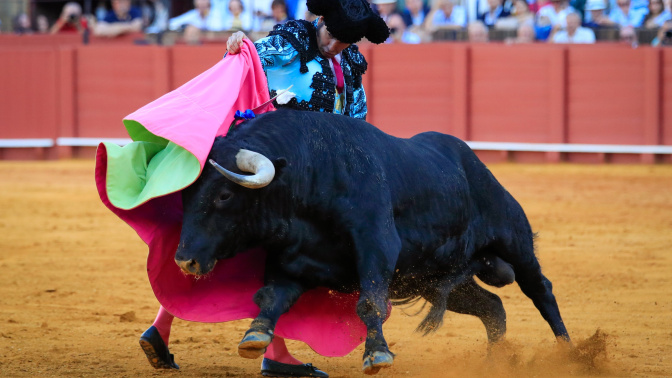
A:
(224, 197)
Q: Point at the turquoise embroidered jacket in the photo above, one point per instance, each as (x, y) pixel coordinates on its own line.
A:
(289, 56)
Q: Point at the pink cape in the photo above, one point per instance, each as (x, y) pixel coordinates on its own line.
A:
(191, 117)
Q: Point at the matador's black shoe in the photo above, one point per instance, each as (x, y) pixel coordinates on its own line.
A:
(156, 350)
(270, 368)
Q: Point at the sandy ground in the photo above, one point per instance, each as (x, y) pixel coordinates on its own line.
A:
(74, 295)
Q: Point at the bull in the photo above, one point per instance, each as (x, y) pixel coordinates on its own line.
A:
(340, 204)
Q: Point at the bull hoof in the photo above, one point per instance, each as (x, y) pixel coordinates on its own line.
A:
(376, 361)
(251, 353)
(254, 344)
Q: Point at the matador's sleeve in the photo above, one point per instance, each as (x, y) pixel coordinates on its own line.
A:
(275, 51)
(359, 109)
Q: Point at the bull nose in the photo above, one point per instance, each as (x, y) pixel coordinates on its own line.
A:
(189, 266)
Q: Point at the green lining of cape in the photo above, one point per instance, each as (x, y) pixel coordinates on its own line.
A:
(147, 168)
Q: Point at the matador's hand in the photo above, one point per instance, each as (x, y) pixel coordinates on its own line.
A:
(234, 42)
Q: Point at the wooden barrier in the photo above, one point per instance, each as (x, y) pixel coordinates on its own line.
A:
(547, 95)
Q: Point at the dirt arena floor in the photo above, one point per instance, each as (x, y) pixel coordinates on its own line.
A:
(74, 295)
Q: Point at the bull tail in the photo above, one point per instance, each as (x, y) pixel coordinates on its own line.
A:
(410, 301)
(434, 319)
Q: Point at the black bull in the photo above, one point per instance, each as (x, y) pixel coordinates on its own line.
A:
(338, 203)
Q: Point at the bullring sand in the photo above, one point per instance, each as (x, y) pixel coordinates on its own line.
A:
(74, 295)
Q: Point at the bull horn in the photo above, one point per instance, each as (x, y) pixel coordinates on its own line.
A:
(253, 162)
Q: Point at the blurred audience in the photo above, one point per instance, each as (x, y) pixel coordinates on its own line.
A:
(156, 15)
(496, 11)
(628, 36)
(236, 19)
(573, 31)
(447, 14)
(414, 15)
(625, 15)
(594, 16)
(260, 11)
(302, 11)
(203, 17)
(42, 24)
(123, 18)
(664, 37)
(399, 33)
(279, 15)
(512, 21)
(535, 5)
(101, 10)
(552, 17)
(520, 14)
(473, 8)
(555, 13)
(525, 33)
(22, 24)
(71, 20)
(477, 32)
(279, 12)
(657, 15)
(385, 8)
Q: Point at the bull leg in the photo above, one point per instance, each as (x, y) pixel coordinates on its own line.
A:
(471, 299)
(540, 290)
(372, 309)
(273, 300)
(375, 264)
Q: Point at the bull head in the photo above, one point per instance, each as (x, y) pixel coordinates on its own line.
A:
(253, 162)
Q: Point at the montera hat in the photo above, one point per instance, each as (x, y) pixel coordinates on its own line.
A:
(350, 20)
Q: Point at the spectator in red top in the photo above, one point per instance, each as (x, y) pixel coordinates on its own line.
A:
(71, 20)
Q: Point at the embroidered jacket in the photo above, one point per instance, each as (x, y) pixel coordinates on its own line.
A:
(289, 56)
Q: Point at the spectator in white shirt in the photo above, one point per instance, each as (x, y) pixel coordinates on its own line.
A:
(447, 15)
(573, 32)
(202, 17)
(555, 13)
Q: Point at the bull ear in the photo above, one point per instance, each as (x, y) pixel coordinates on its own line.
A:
(279, 164)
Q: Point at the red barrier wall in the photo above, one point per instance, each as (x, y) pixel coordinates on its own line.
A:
(666, 97)
(44, 40)
(405, 97)
(114, 81)
(27, 107)
(189, 61)
(601, 94)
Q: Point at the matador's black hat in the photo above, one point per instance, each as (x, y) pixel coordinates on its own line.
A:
(350, 20)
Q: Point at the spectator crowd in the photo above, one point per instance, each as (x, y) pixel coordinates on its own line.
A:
(410, 21)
